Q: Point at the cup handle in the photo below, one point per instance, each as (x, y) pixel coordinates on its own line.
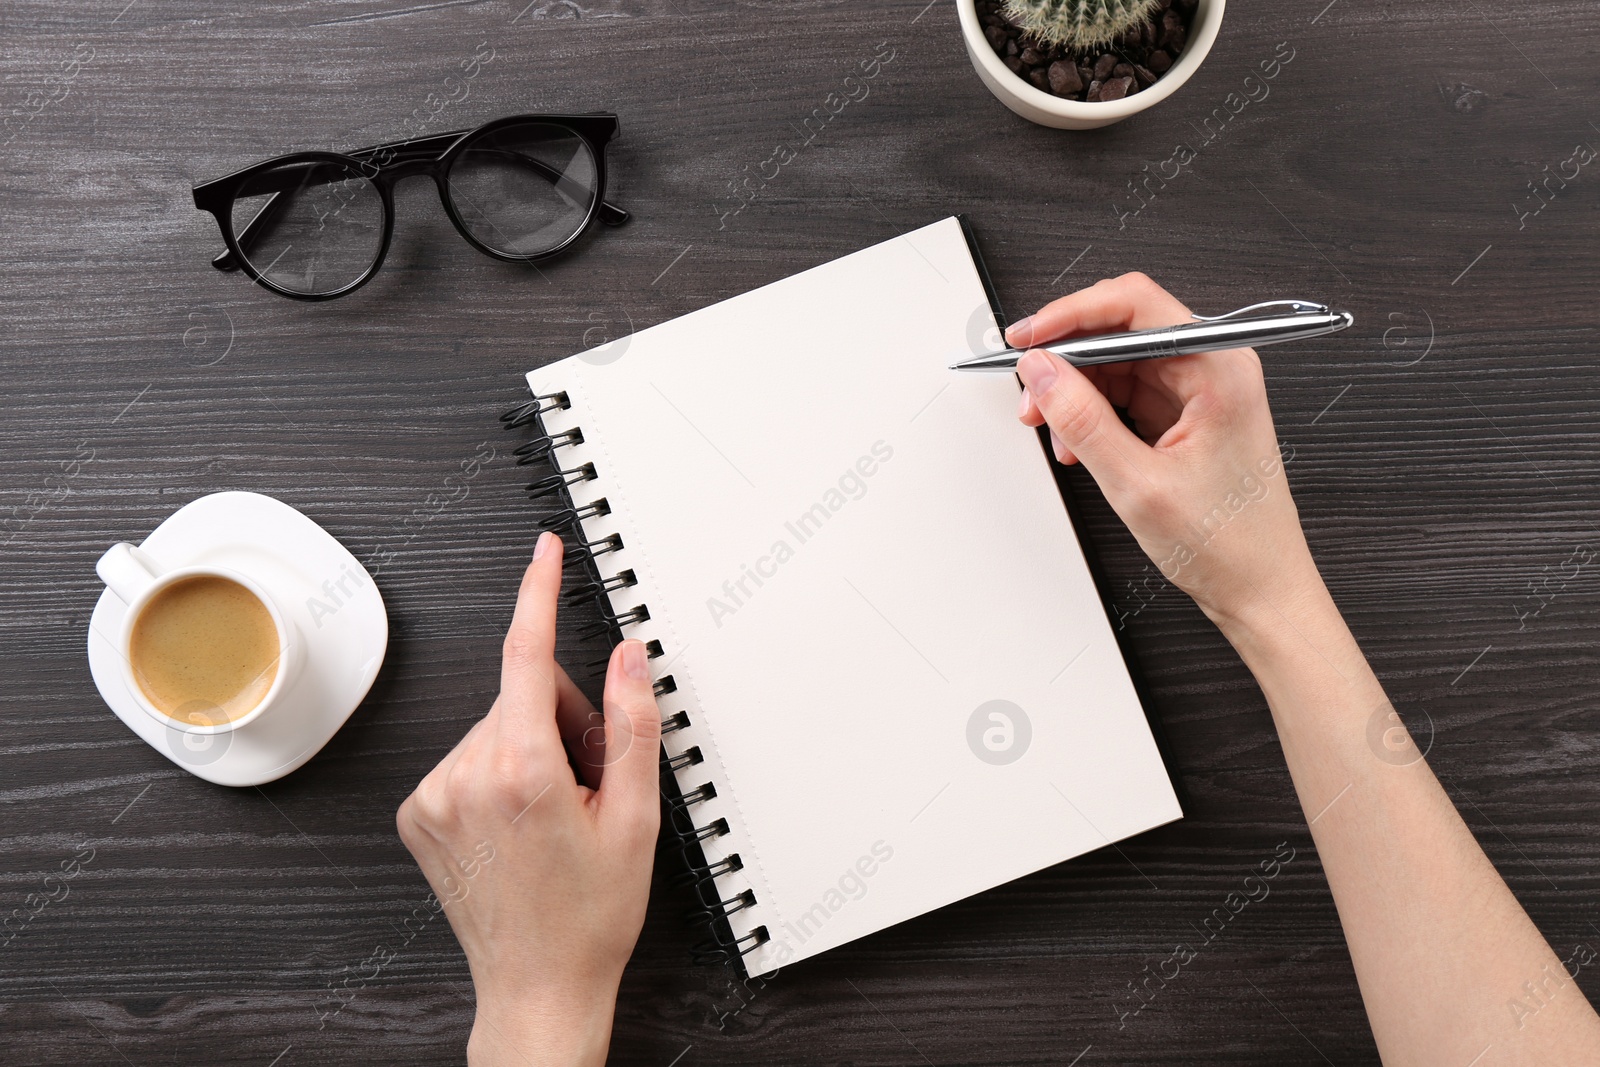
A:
(127, 571)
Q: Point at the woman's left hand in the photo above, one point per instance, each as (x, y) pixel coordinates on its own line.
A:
(544, 878)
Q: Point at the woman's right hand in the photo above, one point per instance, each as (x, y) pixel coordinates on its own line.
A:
(1201, 483)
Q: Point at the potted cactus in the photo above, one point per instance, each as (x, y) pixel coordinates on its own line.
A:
(1079, 22)
(1078, 64)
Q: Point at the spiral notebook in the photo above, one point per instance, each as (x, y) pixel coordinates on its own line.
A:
(886, 677)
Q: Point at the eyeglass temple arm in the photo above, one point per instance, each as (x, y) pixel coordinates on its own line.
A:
(610, 214)
(226, 261)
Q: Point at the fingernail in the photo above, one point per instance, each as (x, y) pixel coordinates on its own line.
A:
(1055, 443)
(1019, 331)
(633, 660)
(1038, 372)
(1022, 404)
(541, 546)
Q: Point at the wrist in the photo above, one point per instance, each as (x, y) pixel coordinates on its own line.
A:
(1294, 639)
(565, 1030)
(1263, 613)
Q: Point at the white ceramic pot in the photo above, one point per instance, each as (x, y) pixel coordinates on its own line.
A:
(1039, 106)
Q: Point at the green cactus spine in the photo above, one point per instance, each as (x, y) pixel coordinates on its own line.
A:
(1078, 25)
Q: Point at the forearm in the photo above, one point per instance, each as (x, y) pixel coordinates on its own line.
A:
(1442, 950)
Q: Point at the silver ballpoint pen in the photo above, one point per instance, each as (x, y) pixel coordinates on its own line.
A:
(1268, 323)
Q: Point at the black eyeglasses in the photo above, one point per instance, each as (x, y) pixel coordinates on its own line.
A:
(316, 225)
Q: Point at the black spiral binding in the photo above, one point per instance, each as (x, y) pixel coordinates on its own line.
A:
(721, 945)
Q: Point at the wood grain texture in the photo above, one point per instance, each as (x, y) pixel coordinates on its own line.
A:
(1445, 456)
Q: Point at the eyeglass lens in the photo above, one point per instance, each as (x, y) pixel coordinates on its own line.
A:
(310, 228)
(525, 189)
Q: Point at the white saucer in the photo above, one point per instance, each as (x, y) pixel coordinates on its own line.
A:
(344, 631)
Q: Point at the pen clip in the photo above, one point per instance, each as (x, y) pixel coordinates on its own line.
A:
(1296, 307)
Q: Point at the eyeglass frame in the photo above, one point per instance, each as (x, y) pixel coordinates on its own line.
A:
(418, 156)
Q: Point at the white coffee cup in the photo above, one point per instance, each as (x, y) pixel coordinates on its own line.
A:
(136, 578)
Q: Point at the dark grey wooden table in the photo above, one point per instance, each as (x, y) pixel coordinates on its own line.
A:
(1444, 456)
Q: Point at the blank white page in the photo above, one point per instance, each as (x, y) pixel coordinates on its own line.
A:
(846, 550)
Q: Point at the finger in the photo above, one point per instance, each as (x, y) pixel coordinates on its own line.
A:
(630, 790)
(1107, 379)
(1064, 454)
(1027, 412)
(453, 757)
(528, 687)
(1155, 376)
(583, 729)
(428, 807)
(1083, 420)
(1115, 386)
(1130, 302)
(1153, 412)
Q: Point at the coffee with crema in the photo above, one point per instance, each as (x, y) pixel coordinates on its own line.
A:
(204, 650)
